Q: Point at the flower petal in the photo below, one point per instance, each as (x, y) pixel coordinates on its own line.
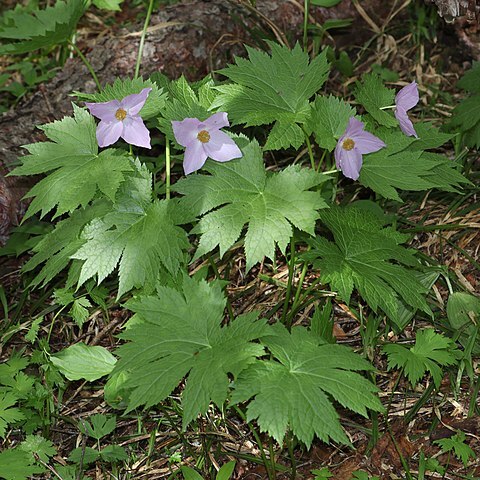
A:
(186, 131)
(349, 161)
(135, 132)
(104, 110)
(217, 120)
(133, 103)
(366, 142)
(195, 157)
(407, 97)
(354, 127)
(108, 132)
(406, 124)
(221, 147)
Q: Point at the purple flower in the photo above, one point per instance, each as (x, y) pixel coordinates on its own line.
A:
(355, 142)
(204, 139)
(406, 99)
(120, 118)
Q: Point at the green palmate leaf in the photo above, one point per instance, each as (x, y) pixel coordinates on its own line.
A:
(294, 389)
(466, 118)
(81, 361)
(121, 88)
(74, 161)
(284, 135)
(466, 115)
(139, 243)
(470, 80)
(8, 413)
(138, 235)
(79, 310)
(427, 277)
(114, 453)
(245, 194)
(10, 368)
(16, 464)
(86, 455)
(428, 137)
(430, 352)
(401, 165)
(56, 248)
(44, 28)
(273, 88)
(178, 334)
(36, 444)
(459, 447)
(373, 95)
(367, 256)
(184, 102)
(328, 120)
(98, 426)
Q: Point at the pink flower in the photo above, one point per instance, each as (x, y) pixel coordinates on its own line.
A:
(406, 99)
(204, 139)
(352, 145)
(121, 119)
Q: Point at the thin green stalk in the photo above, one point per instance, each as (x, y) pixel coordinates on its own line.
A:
(167, 169)
(298, 292)
(419, 404)
(321, 162)
(272, 455)
(266, 463)
(291, 453)
(300, 283)
(473, 404)
(309, 147)
(288, 294)
(142, 38)
(399, 453)
(83, 58)
(306, 9)
(217, 274)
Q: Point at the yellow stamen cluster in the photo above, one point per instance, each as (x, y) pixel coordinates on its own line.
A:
(203, 136)
(348, 144)
(120, 114)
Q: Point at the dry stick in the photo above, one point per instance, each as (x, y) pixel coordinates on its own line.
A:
(46, 465)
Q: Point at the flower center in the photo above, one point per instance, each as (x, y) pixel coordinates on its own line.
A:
(120, 114)
(348, 144)
(203, 136)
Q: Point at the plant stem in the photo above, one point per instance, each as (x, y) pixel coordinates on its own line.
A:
(309, 147)
(298, 292)
(321, 161)
(288, 294)
(83, 58)
(167, 169)
(217, 274)
(306, 8)
(142, 39)
(272, 455)
(259, 442)
(291, 453)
